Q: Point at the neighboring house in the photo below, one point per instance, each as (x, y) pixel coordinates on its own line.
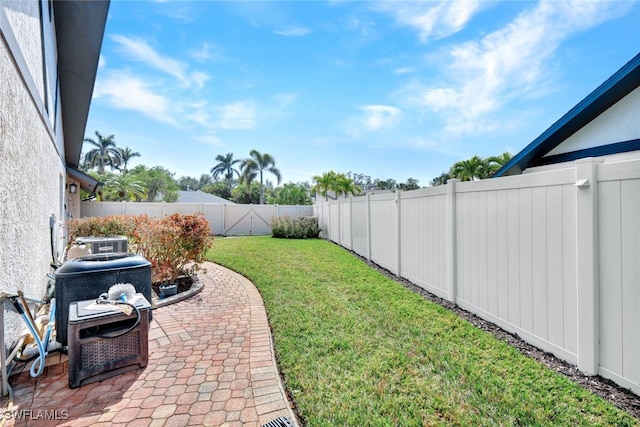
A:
(49, 54)
(200, 197)
(604, 124)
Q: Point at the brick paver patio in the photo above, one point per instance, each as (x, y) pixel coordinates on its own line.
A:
(210, 363)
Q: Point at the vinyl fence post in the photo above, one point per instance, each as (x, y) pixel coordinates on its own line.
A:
(224, 215)
(328, 220)
(587, 257)
(368, 227)
(351, 223)
(398, 233)
(339, 222)
(451, 243)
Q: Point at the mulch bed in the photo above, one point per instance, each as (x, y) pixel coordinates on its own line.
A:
(184, 284)
(603, 387)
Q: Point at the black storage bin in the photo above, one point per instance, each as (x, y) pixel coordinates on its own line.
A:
(89, 276)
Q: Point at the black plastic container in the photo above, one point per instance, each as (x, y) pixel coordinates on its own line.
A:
(89, 276)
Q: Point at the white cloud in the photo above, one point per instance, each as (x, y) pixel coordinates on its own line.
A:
(139, 50)
(202, 54)
(199, 78)
(379, 116)
(239, 115)
(404, 70)
(433, 20)
(208, 52)
(125, 92)
(293, 32)
(199, 113)
(102, 62)
(508, 64)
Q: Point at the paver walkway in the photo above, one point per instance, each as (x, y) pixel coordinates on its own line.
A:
(211, 362)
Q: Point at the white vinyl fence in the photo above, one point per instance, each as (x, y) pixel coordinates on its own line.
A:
(224, 219)
(551, 256)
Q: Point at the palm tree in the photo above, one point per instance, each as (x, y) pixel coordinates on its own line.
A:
(346, 186)
(258, 163)
(325, 183)
(497, 162)
(105, 154)
(470, 170)
(125, 187)
(225, 167)
(126, 154)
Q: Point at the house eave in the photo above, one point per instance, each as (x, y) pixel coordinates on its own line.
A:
(623, 82)
(86, 181)
(80, 27)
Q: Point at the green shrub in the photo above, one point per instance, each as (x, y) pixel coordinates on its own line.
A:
(303, 227)
(172, 244)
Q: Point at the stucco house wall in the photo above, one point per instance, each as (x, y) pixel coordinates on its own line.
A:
(32, 167)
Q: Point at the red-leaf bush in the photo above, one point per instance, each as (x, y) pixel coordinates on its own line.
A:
(114, 225)
(174, 245)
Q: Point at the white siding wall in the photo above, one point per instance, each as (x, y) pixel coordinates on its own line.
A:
(619, 123)
(512, 251)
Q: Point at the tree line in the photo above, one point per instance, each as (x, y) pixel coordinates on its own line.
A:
(245, 183)
(338, 184)
(246, 180)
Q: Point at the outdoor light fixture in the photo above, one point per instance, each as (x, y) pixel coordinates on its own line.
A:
(73, 188)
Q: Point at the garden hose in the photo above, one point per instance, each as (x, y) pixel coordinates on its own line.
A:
(38, 366)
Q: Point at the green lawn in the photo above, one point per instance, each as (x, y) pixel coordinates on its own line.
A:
(359, 349)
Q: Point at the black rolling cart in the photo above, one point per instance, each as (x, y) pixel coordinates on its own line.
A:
(104, 342)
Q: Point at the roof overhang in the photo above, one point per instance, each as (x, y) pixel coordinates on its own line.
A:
(623, 82)
(80, 29)
(87, 182)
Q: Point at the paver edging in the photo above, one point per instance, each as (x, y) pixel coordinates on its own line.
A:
(196, 287)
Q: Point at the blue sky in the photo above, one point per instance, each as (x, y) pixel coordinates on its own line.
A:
(389, 89)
